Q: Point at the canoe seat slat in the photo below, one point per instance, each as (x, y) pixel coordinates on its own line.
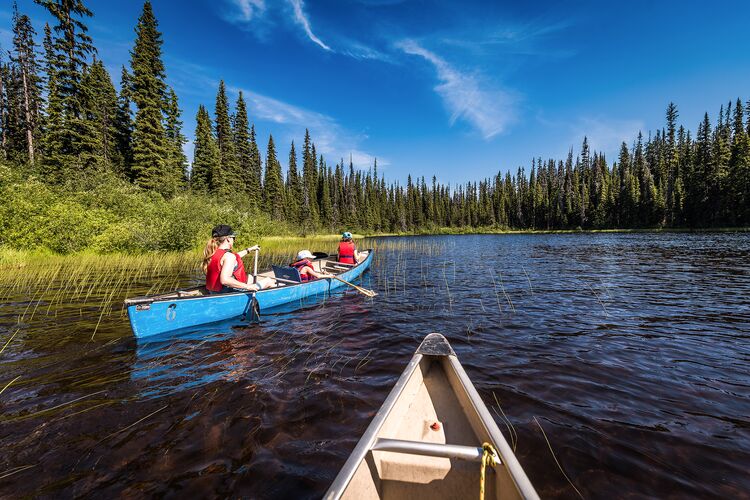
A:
(471, 453)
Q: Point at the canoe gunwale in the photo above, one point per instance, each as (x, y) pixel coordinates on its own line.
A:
(191, 307)
(167, 296)
(507, 457)
(370, 436)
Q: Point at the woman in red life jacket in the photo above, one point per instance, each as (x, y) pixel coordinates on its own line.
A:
(225, 271)
(348, 253)
(304, 265)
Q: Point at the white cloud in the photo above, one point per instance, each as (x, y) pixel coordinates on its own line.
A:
(301, 19)
(331, 140)
(490, 111)
(248, 9)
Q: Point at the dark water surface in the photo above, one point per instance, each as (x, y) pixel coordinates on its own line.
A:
(632, 352)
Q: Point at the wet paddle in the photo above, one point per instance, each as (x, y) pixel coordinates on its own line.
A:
(363, 291)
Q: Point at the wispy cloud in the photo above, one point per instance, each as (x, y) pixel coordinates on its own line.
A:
(330, 137)
(302, 20)
(249, 9)
(358, 50)
(249, 15)
(490, 111)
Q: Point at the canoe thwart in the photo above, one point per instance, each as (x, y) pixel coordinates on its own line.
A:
(461, 452)
(435, 345)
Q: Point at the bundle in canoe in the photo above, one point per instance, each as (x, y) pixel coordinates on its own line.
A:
(426, 441)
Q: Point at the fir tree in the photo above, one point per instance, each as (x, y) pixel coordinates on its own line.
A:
(256, 169)
(150, 149)
(176, 164)
(206, 154)
(28, 67)
(273, 185)
(124, 125)
(327, 214)
(310, 182)
(293, 189)
(229, 178)
(98, 147)
(246, 156)
(66, 55)
(3, 111)
(738, 196)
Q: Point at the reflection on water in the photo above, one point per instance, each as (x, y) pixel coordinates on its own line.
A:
(633, 352)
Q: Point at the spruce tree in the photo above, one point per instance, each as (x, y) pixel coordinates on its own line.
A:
(326, 205)
(206, 154)
(293, 189)
(672, 161)
(3, 110)
(255, 189)
(719, 170)
(124, 125)
(229, 179)
(273, 184)
(53, 163)
(98, 147)
(67, 58)
(148, 92)
(176, 163)
(702, 174)
(246, 157)
(29, 69)
(310, 182)
(739, 170)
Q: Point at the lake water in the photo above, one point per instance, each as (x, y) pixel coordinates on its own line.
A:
(631, 350)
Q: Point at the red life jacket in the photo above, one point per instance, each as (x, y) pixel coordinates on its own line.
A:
(301, 264)
(213, 273)
(346, 252)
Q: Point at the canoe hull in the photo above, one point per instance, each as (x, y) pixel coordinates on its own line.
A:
(154, 317)
(425, 439)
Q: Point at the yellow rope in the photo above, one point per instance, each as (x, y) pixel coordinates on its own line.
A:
(488, 457)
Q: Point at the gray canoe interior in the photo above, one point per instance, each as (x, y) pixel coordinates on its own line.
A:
(433, 393)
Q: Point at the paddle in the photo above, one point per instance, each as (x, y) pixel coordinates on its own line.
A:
(255, 266)
(363, 291)
(320, 255)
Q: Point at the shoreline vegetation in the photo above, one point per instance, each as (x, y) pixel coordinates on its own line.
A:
(275, 248)
(88, 168)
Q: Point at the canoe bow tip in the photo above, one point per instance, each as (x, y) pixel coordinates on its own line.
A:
(435, 344)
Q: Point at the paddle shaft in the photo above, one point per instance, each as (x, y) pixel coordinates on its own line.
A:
(255, 267)
(363, 291)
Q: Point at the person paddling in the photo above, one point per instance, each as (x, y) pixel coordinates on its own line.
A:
(304, 265)
(225, 271)
(348, 253)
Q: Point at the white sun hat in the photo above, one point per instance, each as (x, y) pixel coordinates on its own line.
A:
(305, 254)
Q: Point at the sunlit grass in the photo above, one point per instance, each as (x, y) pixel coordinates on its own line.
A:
(94, 286)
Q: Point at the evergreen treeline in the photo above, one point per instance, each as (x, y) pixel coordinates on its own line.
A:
(61, 118)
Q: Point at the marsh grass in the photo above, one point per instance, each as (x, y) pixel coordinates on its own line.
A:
(41, 284)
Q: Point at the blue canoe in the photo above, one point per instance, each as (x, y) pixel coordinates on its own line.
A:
(155, 314)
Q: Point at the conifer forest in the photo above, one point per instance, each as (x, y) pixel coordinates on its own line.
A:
(63, 120)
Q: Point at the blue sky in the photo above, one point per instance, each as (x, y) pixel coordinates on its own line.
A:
(459, 90)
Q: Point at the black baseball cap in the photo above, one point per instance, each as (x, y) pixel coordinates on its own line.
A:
(222, 230)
